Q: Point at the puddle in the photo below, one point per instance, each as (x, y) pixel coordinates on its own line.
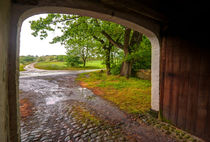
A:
(52, 100)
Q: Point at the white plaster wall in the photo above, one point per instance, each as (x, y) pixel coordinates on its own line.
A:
(4, 22)
(155, 75)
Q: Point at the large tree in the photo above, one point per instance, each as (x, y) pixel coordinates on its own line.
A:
(79, 31)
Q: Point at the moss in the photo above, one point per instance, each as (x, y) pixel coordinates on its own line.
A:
(83, 115)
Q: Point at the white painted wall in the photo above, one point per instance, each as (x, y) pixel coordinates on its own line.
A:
(4, 23)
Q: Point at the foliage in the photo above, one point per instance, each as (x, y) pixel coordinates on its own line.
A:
(52, 58)
(80, 35)
(142, 57)
(61, 58)
(115, 68)
(88, 37)
(131, 95)
(73, 61)
(26, 59)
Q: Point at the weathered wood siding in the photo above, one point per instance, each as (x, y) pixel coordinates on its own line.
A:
(185, 86)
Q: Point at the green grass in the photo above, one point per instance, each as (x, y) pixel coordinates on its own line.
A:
(21, 67)
(62, 65)
(131, 95)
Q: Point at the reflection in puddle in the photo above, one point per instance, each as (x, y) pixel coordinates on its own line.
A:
(53, 100)
(86, 93)
(81, 89)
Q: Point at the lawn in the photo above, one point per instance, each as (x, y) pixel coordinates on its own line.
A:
(62, 65)
(131, 95)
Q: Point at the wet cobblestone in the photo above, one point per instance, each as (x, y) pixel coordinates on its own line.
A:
(64, 112)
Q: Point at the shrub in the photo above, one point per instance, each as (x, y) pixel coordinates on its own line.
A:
(115, 68)
(73, 61)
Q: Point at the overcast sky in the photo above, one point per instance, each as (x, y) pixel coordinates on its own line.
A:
(30, 45)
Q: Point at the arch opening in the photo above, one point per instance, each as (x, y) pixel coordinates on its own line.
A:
(155, 59)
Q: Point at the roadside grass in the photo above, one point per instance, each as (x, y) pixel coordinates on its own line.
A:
(131, 95)
(62, 65)
(21, 67)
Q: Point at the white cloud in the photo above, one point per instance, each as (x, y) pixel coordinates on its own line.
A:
(30, 45)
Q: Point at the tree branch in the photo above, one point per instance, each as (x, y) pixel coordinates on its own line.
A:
(100, 40)
(136, 38)
(111, 40)
(127, 38)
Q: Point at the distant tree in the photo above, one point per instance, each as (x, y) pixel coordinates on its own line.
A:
(73, 60)
(27, 59)
(61, 58)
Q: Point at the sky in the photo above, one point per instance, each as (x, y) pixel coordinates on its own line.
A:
(30, 45)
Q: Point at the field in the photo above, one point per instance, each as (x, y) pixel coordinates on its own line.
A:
(62, 65)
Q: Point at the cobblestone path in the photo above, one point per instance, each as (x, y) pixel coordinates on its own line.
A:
(55, 108)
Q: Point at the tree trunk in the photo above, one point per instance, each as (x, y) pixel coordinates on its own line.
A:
(128, 48)
(126, 69)
(107, 61)
(84, 63)
(126, 65)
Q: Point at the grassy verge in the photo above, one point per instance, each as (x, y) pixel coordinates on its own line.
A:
(21, 67)
(131, 95)
(63, 66)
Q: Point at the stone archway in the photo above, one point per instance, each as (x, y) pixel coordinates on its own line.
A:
(152, 37)
(19, 13)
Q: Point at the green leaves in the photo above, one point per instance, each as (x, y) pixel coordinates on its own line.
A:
(85, 37)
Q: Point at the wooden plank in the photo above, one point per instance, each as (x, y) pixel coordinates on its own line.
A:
(206, 74)
(176, 83)
(193, 89)
(204, 83)
(162, 72)
(168, 79)
(184, 84)
(207, 128)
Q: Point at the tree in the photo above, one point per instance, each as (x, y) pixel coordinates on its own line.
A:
(131, 42)
(81, 32)
(73, 60)
(79, 35)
